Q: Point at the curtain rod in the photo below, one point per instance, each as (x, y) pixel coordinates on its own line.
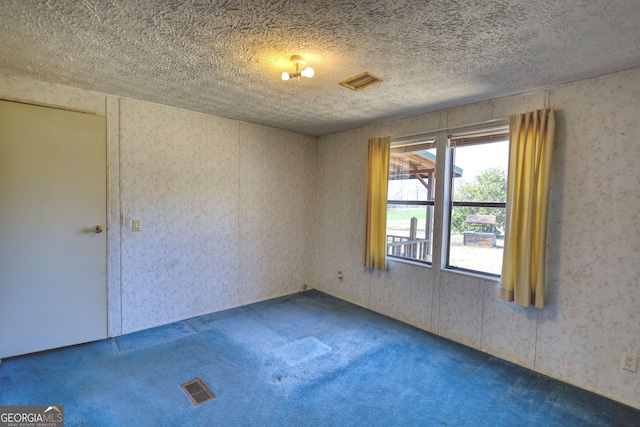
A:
(423, 135)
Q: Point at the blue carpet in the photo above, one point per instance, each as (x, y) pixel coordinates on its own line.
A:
(303, 360)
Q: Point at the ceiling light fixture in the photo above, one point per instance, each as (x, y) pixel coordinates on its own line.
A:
(299, 62)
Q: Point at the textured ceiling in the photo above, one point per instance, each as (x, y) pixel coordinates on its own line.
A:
(225, 57)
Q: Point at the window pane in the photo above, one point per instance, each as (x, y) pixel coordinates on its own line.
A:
(412, 175)
(410, 226)
(478, 246)
(477, 232)
(409, 231)
(481, 172)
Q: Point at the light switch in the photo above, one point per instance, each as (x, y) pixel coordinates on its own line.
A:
(135, 225)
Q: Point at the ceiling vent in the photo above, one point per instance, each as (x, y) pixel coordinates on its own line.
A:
(360, 81)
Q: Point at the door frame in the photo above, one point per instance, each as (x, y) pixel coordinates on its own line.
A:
(54, 190)
(67, 98)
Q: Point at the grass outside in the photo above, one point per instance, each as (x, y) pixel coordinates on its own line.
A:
(405, 214)
(487, 260)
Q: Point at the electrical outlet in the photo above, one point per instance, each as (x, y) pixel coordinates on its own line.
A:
(304, 287)
(225, 286)
(630, 362)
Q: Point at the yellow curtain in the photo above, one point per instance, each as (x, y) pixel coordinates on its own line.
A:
(530, 148)
(375, 243)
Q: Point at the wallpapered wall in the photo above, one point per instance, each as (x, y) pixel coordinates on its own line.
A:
(224, 220)
(592, 314)
(220, 202)
(179, 176)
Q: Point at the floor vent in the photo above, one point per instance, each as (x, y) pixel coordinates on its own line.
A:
(360, 81)
(197, 392)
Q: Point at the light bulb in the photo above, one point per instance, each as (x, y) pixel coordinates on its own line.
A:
(308, 72)
(285, 76)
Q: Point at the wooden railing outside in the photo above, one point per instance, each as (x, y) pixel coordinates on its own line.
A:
(409, 247)
(403, 246)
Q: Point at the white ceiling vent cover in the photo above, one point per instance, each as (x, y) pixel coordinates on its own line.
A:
(360, 81)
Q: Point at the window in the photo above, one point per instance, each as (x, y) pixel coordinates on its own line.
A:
(472, 171)
(478, 176)
(410, 200)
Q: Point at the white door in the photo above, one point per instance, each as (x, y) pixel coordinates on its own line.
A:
(53, 290)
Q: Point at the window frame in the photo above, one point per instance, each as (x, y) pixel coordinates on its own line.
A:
(477, 136)
(408, 145)
(443, 202)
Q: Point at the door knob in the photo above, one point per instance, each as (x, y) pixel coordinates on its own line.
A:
(97, 229)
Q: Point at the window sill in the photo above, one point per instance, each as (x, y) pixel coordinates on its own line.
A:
(408, 261)
(473, 274)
